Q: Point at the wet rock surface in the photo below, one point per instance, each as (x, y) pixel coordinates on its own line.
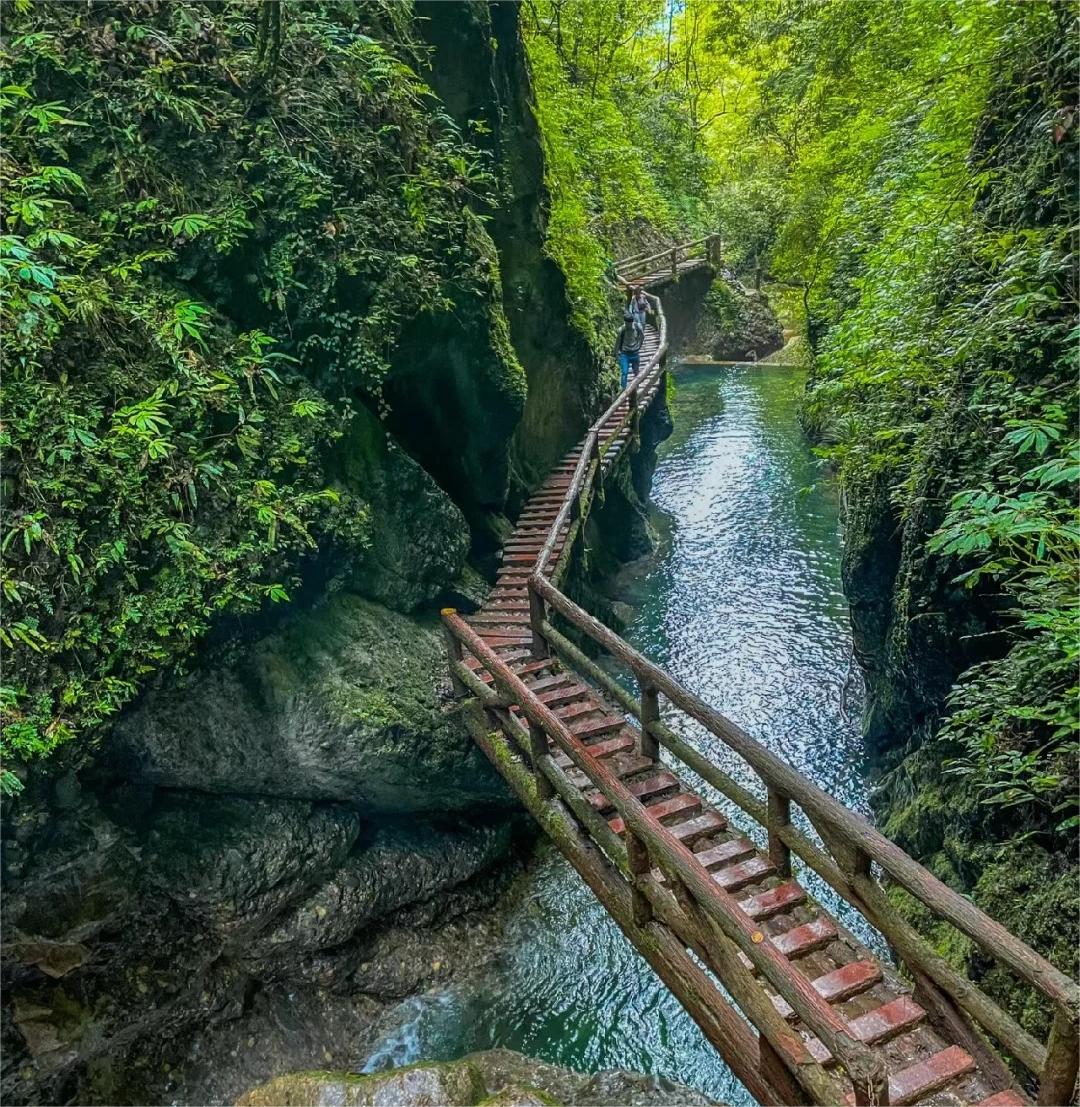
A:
(494, 1078)
(140, 930)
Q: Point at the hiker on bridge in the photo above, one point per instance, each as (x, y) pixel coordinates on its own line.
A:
(628, 347)
(639, 304)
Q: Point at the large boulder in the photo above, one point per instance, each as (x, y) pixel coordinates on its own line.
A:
(349, 701)
(494, 1078)
(419, 537)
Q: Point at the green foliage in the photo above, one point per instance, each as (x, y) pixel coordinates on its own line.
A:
(618, 101)
(210, 244)
(932, 228)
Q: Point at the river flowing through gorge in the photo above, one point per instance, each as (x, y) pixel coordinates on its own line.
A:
(742, 603)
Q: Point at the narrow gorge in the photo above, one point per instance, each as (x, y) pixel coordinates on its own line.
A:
(305, 308)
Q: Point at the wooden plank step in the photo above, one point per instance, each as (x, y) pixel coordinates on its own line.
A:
(595, 727)
(553, 681)
(519, 653)
(772, 902)
(726, 852)
(599, 749)
(505, 640)
(627, 766)
(497, 618)
(532, 542)
(651, 786)
(887, 1021)
(918, 1080)
(538, 666)
(711, 822)
(804, 939)
(611, 745)
(746, 872)
(847, 981)
(569, 711)
(682, 804)
(554, 696)
(692, 829)
(1010, 1097)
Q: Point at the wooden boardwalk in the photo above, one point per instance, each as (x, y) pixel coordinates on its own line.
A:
(826, 1021)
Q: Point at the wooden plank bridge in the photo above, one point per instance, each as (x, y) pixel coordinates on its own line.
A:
(798, 1008)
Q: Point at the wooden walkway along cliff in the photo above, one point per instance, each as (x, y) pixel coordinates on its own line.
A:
(820, 1018)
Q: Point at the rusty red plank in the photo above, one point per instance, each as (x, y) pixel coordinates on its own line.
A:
(1008, 1098)
(847, 981)
(774, 901)
(677, 805)
(746, 872)
(726, 852)
(800, 940)
(887, 1021)
(924, 1077)
(651, 786)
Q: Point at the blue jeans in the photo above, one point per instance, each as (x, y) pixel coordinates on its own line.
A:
(628, 366)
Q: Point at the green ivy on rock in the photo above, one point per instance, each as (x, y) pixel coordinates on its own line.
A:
(214, 231)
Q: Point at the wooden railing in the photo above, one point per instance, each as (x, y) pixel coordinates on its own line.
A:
(663, 890)
(671, 259)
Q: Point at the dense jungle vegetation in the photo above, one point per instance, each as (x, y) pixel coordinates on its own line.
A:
(194, 305)
(905, 175)
(910, 172)
(219, 218)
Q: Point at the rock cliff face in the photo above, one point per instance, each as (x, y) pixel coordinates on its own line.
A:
(714, 315)
(301, 824)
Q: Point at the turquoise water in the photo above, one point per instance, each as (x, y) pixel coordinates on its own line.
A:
(743, 605)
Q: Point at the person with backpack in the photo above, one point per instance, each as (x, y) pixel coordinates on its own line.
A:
(639, 304)
(628, 347)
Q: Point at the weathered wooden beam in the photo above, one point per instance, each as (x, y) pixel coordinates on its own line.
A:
(679, 863)
(846, 825)
(912, 949)
(1057, 1082)
(720, 1023)
(779, 816)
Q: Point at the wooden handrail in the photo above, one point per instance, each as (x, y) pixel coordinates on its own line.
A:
(852, 829)
(698, 910)
(577, 481)
(684, 247)
(870, 901)
(680, 864)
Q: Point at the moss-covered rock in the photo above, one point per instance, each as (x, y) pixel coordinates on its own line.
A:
(348, 701)
(494, 1078)
(422, 1085)
(737, 323)
(418, 537)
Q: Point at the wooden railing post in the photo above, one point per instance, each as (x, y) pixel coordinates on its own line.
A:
(637, 857)
(714, 251)
(538, 748)
(1057, 1081)
(538, 646)
(675, 261)
(635, 414)
(779, 809)
(454, 653)
(650, 713)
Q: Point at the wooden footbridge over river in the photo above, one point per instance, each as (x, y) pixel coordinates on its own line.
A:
(796, 1005)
